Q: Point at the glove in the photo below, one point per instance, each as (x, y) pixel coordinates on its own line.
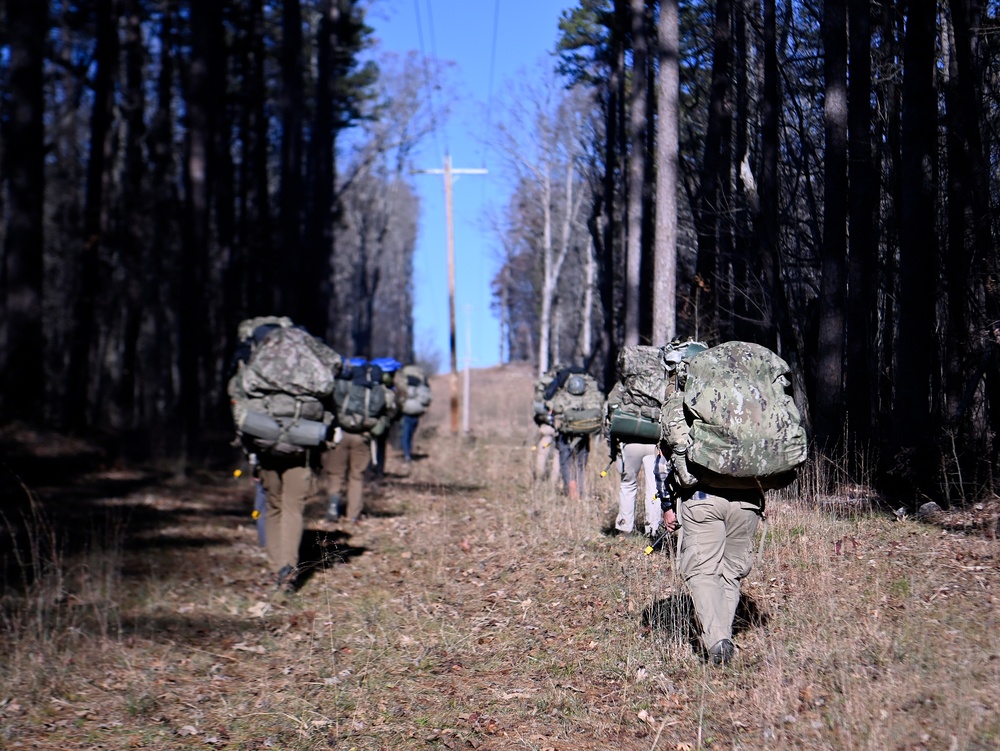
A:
(682, 475)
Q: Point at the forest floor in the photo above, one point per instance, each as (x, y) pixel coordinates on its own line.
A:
(475, 609)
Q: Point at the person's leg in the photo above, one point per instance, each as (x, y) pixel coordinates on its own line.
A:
(406, 438)
(737, 560)
(629, 461)
(654, 516)
(565, 457)
(582, 457)
(358, 455)
(296, 485)
(333, 473)
(270, 479)
(703, 522)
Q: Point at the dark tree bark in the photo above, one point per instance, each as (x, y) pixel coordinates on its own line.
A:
(609, 237)
(291, 108)
(160, 360)
(322, 155)
(861, 383)
(134, 215)
(916, 352)
(22, 350)
(85, 325)
(255, 251)
(833, 295)
(193, 309)
(715, 169)
(971, 268)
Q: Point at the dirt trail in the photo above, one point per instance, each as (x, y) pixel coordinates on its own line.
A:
(473, 610)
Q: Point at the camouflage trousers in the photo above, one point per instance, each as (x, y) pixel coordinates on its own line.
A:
(716, 553)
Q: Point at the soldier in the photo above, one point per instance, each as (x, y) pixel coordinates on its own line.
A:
(731, 432)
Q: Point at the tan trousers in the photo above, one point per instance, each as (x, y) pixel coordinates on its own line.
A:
(632, 458)
(288, 488)
(716, 553)
(545, 453)
(345, 465)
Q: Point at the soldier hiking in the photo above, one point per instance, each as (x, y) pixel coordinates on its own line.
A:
(633, 425)
(279, 396)
(576, 406)
(363, 406)
(731, 431)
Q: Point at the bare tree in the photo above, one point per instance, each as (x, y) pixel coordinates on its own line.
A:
(667, 174)
(540, 141)
(638, 107)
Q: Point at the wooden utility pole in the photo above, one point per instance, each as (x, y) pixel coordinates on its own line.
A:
(448, 171)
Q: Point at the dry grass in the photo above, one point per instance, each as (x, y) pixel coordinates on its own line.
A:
(475, 611)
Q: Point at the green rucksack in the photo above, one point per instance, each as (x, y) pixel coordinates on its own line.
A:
(359, 399)
(648, 378)
(578, 406)
(734, 423)
(279, 393)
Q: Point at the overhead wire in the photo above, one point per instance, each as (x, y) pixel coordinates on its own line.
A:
(489, 89)
(435, 125)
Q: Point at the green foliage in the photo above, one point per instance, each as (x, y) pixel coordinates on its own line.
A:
(584, 44)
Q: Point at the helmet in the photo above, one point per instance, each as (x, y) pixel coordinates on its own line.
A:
(576, 384)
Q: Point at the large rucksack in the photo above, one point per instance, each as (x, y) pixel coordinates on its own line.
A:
(577, 414)
(279, 392)
(415, 389)
(734, 423)
(648, 378)
(359, 399)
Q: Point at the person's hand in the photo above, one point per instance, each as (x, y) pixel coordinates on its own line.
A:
(670, 519)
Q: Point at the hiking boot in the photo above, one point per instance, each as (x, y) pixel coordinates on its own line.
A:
(286, 579)
(333, 508)
(721, 653)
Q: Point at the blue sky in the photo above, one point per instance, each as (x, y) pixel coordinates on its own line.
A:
(462, 32)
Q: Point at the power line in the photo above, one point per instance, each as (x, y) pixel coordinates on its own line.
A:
(489, 89)
(427, 81)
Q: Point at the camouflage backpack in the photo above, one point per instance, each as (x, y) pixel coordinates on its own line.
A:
(278, 393)
(648, 378)
(578, 413)
(360, 399)
(734, 423)
(415, 389)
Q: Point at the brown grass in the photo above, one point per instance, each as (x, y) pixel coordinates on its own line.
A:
(472, 610)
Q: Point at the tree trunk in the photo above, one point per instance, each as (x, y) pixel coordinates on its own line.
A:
(714, 168)
(22, 339)
(667, 175)
(917, 351)
(861, 383)
(138, 285)
(636, 172)
(833, 298)
(194, 255)
(291, 111)
(319, 245)
(85, 325)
